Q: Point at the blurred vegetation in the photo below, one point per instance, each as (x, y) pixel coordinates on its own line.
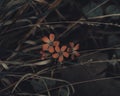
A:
(94, 24)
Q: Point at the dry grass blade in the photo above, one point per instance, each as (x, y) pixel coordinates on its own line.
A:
(44, 62)
(83, 22)
(58, 80)
(105, 16)
(40, 63)
(83, 82)
(30, 42)
(6, 81)
(41, 1)
(97, 7)
(4, 65)
(55, 4)
(32, 48)
(21, 79)
(74, 24)
(10, 86)
(30, 94)
(68, 91)
(46, 87)
(14, 53)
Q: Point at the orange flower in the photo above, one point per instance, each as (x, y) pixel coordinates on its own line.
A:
(50, 43)
(60, 53)
(73, 50)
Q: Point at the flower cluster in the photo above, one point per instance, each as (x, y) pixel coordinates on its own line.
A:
(52, 47)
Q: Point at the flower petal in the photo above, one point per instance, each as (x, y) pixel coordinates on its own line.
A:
(45, 47)
(56, 55)
(76, 47)
(69, 50)
(72, 57)
(56, 43)
(57, 49)
(71, 44)
(51, 49)
(63, 48)
(42, 58)
(43, 55)
(52, 37)
(41, 52)
(60, 58)
(66, 54)
(45, 39)
(76, 54)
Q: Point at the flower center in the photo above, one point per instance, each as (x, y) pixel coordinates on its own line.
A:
(71, 50)
(50, 43)
(60, 53)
